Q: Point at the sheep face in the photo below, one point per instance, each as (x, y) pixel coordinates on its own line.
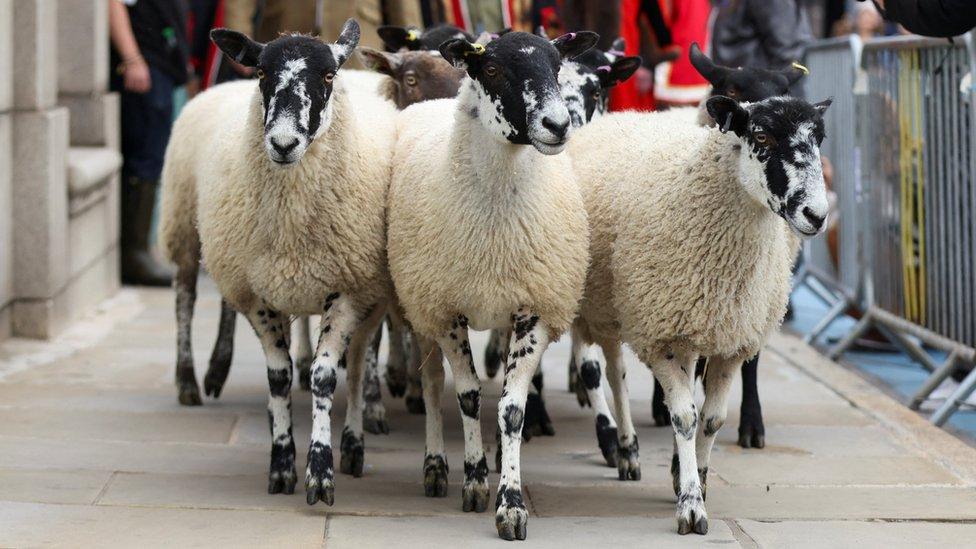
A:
(585, 82)
(415, 75)
(746, 85)
(514, 86)
(295, 75)
(397, 39)
(779, 157)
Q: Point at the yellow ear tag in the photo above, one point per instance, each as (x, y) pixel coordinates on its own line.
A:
(479, 49)
(801, 68)
(413, 35)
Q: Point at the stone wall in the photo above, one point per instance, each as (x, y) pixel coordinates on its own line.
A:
(59, 136)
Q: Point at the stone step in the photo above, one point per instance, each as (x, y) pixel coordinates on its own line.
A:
(89, 172)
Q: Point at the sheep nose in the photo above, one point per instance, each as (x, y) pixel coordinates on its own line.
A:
(557, 128)
(815, 220)
(283, 146)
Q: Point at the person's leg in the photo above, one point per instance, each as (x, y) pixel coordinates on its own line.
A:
(146, 121)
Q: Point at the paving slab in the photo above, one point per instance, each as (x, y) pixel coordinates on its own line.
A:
(87, 526)
(52, 486)
(172, 426)
(858, 535)
(474, 532)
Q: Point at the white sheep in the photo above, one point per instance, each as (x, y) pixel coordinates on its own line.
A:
(292, 184)
(484, 231)
(691, 248)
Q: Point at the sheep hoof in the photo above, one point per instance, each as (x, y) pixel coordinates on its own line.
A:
(752, 432)
(213, 382)
(581, 397)
(435, 476)
(511, 521)
(317, 490)
(374, 419)
(628, 462)
(305, 373)
(474, 496)
(282, 482)
(189, 394)
(606, 436)
(353, 453)
(415, 405)
(691, 514)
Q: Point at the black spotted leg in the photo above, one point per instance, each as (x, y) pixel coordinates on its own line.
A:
(223, 352)
(272, 330)
(435, 458)
(628, 459)
(718, 380)
(301, 350)
(676, 372)
(457, 349)
(185, 284)
(530, 338)
(341, 318)
(591, 375)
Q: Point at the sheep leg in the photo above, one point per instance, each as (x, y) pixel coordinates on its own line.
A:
(415, 392)
(495, 351)
(628, 462)
(752, 432)
(718, 381)
(676, 372)
(374, 415)
(591, 373)
(457, 349)
(271, 328)
(341, 318)
(396, 364)
(223, 352)
(529, 340)
(537, 420)
(301, 349)
(575, 383)
(435, 458)
(352, 459)
(188, 392)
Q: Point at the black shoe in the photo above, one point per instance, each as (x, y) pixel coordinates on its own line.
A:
(138, 265)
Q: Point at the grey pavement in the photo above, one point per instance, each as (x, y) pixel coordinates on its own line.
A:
(96, 451)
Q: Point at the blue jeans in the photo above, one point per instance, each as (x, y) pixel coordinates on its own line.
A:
(146, 120)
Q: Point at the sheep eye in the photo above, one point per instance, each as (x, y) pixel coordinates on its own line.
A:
(596, 95)
(763, 139)
(260, 73)
(731, 92)
(328, 77)
(410, 80)
(491, 71)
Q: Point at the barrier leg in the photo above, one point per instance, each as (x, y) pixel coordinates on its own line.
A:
(933, 382)
(848, 340)
(960, 395)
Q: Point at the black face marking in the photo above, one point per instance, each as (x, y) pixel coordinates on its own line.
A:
(747, 84)
(470, 403)
(513, 420)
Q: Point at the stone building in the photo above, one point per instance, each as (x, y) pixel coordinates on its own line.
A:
(59, 165)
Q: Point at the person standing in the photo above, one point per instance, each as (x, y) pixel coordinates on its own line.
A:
(766, 34)
(150, 57)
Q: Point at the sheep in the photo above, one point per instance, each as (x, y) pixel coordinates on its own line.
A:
(693, 234)
(584, 83)
(292, 222)
(486, 232)
(179, 238)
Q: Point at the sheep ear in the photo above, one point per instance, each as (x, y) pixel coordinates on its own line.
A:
(457, 51)
(541, 31)
(619, 44)
(618, 71)
(715, 74)
(379, 61)
(347, 42)
(823, 105)
(728, 114)
(794, 73)
(396, 38)
(574, 43)
(237, 46)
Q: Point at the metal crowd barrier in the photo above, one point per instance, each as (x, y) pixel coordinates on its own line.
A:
(905, 174)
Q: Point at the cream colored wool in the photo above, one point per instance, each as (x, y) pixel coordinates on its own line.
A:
(287, 237)
(481, 228)
(683, 259)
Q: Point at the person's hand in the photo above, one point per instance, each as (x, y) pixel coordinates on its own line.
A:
(135, 76)
(644, 80)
